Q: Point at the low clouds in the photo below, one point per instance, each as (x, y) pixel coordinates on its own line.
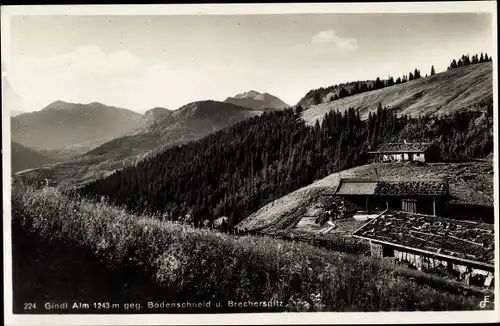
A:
(330, 38)
(121, 78)
(90, 59)
(74, 76)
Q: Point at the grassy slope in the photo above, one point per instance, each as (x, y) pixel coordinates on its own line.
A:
(470, 182)
(137, 258)
(461, 88)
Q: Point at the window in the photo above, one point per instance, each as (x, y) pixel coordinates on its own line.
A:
(387, 251)
(409, 205)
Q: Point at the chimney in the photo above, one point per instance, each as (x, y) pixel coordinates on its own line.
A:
(376, 173)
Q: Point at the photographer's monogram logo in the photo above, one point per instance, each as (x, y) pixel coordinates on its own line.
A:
(484, 302)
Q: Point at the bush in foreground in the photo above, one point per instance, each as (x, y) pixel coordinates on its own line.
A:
(175, 262)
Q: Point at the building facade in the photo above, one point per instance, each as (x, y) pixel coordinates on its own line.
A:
(415, 196)
(460, 250)
(407, 152)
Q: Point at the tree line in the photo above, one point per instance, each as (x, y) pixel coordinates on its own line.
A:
(466, 60)
(239, 169)
(339, 91)
(353, 88)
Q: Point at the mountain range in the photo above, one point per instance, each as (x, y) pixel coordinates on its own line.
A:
(467, 87)
(190, 122)
(62, 124)
(95, 139)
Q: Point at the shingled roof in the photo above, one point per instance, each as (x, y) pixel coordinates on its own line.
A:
(403, 148)
(461, 240)
(392, 188)
(356, 187)
(422, 187)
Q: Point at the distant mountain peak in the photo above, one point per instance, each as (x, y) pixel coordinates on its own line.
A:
(156, 112)
(256, 100)
(97, 103)
(62, 124)
(56, 104)
(61, 105)
(256, 96)
(249, 94)
(156, 109)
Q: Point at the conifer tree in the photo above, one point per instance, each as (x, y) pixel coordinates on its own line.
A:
(317, 98)
(390, 81)
(453, 64)
(417, 74)
(467, 60)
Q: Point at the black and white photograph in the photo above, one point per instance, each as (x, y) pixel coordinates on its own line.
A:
(232, 164)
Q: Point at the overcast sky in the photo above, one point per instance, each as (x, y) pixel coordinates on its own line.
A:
(140, 62)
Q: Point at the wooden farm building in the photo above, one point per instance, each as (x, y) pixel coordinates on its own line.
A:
(416, 196)
(462, 250)
(407, 152)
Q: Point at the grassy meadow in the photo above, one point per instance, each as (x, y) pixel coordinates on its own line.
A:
(76, 250)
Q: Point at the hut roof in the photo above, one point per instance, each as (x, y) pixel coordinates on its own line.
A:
(403, 148)
(382, 187)
(462, 240)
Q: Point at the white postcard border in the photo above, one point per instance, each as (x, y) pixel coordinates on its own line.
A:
(239, 318)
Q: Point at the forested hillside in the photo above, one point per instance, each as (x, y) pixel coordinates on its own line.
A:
(239, 169)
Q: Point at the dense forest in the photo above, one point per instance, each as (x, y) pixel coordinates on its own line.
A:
(466, 60)
(241, 168)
